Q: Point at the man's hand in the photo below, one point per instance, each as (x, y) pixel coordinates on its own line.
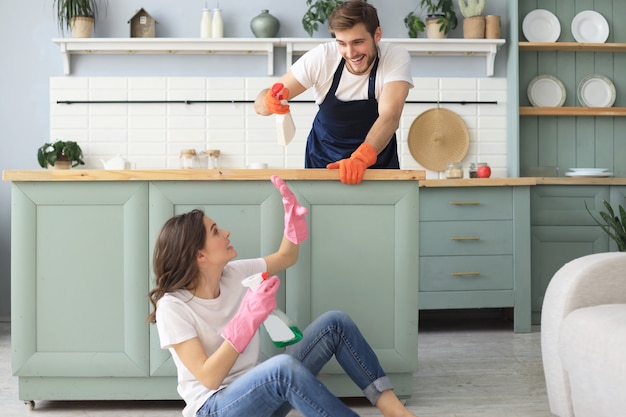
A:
(351, 170)
(275, 99)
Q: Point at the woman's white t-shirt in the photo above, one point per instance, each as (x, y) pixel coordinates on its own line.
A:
(180, 316)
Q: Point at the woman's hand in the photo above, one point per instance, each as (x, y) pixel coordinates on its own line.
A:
(296, 229)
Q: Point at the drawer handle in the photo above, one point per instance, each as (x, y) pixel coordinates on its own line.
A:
(465, 274)
(465, 203)
(462, 238)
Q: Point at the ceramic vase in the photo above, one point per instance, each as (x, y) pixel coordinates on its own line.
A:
(264, 25)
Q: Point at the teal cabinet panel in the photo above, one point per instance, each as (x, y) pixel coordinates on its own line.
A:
(361, 258)
(253, 213)
(79, 279)
(466, 273)
(466, 238)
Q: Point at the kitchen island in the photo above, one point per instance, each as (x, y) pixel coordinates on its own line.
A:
(81, 269)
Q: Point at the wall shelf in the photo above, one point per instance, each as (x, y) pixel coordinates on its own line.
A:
(572, 47)
(421, 46)
(572, 111)
(198, 46)
(265, 46)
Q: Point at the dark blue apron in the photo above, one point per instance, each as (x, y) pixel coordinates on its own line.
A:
(341, 126)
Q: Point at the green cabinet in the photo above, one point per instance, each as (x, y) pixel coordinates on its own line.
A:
(563, 230)
(475, 250)
(79, 281)
(81, 259)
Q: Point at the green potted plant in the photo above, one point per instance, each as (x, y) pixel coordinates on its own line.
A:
(77, 16)
(474, 21)
(614, 226)
(440, 19)
(60, 155)
(318, 13)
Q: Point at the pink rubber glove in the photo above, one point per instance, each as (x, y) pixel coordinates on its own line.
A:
(254, 309)
(296, 229)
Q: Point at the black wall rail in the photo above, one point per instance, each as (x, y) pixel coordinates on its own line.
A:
(240, 101)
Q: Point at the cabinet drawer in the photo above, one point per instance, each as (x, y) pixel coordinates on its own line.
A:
(466, 203)
(565, 205)
(466, 238)
(466, 273)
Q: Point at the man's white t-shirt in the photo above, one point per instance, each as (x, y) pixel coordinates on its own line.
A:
(315, 70)
(180, 316)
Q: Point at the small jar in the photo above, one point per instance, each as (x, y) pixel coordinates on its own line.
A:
(214, 158)
(454, 170)
(473, 170)
(201, 161)
(186, 158)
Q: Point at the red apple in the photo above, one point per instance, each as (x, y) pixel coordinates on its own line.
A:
(483, 171)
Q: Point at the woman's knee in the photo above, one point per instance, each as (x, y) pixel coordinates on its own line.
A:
(337, 318)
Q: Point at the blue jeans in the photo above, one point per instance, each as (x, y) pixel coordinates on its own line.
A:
(289, 380)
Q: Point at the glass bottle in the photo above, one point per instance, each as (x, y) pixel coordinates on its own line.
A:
(217, 25)
(205, 24)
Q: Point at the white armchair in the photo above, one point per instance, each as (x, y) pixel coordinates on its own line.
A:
(583, 337)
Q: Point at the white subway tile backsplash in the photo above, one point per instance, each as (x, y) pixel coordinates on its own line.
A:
(152, 134)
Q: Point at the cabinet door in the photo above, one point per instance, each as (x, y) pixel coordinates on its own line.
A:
(79, 279)
(251, 210)
(562, 230)
(361, 258)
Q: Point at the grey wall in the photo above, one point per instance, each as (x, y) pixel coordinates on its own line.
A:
(29, 58)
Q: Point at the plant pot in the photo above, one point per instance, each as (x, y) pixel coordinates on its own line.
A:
(474, 27)
(433, 27)
(62, 165)
(82, 27)
(492, 27)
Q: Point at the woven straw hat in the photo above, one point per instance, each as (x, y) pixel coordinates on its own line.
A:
(436, 137)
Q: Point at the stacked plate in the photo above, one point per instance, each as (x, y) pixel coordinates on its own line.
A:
(589, 172)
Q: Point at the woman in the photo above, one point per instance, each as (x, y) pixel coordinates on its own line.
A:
(209, 323)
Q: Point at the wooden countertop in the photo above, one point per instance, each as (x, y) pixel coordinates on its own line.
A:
(494, 182)
(202, 174)
(287, 174)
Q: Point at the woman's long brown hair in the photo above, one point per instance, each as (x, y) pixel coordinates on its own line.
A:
(174, 257)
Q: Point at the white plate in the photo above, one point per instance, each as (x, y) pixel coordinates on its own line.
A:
(589, 170)
(596, 91)
(584, 174)
(541, 26)
(591, 27)
(546, 91)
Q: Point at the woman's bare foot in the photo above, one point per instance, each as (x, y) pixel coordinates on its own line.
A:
(391, 406)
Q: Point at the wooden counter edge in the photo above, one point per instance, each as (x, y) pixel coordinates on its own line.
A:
(203, 175)
(479, 182)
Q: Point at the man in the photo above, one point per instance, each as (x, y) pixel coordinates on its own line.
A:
(360, 87)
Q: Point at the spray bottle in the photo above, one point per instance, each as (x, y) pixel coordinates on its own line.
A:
(285, 127)
(280, 328)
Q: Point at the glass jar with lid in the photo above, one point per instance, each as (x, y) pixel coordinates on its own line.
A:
(214, 158)
(187, 158)
(454, 170)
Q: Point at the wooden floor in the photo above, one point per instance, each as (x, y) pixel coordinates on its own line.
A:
(471, 364)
